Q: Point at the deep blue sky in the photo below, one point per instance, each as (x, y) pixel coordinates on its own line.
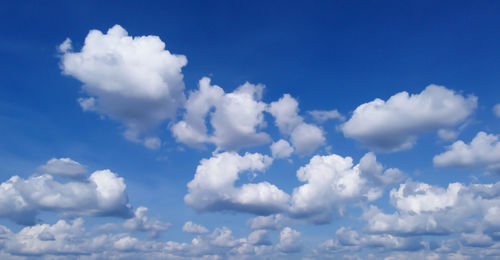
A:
(326, 54)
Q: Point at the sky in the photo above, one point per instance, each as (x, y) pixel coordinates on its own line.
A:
(249, 130)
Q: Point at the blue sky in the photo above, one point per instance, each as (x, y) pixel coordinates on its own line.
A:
(243, 130)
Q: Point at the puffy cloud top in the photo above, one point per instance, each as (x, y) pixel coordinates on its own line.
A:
(394, 124)
(213, 187)
(64, 167)
(103, 194)
(483, 152)
(235, 119)
(131, 79)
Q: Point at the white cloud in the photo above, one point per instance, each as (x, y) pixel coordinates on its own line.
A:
(141, 222)
(305, 137)
(64, 167)
(285, 111)
(423, 209)
(236, 118)
(347, 239)
(333, 182)
(483, 152)
(131, 79)
(190, 227)
(102, 194)
(395, 124)
(325, 115)
(271, 222)
(281, 149)
(290, 241)
(212, 188)
(496, 110)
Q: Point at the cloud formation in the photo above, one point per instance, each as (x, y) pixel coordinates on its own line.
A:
(64, 167)
(482, 152)
(234, 117)
(212, 188)
(102, 194)
(306, 138)
(394, 124)
(134, 80)
(332, 182)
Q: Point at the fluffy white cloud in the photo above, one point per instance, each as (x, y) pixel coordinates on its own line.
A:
(235, 118)
(423, 209)
(213, 189)
(131, 79)
(394, 124)
(333, 181)
(64, 167)
(190, 227)
(281, 149)
(305, 137)
(325, 115)
(141, 222)
(347, 239)
(290, 241)
(102, 194)
(496, 110)
(483, 152)
(271, 222)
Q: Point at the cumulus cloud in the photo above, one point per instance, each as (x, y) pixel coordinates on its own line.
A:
(290, 241)
(305, 137)
(102, 194)
(482, 152)
(424, 209)
(65, 240)
(281, 149)
(134, 80)
(395, 124)
(346, 240)
(190, 227)
(212, 188)
(64, 167)
(325, 115)
(234, 117)
(271, 222)
(141, 222)
(332, 182)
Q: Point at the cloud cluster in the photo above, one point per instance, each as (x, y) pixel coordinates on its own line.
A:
(213, 189)
(71, 240)
(234, 117)
(134, 80)
(306, 138)
(483, 152)
(102, 194)
(333, 182)
(394, 124)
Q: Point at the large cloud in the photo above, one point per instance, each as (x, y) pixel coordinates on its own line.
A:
(333, 181)
(395, 124)
(235, 119)
(131, 79)
(213, 189)
(424, 209)
(102, 194)
(482, 152)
